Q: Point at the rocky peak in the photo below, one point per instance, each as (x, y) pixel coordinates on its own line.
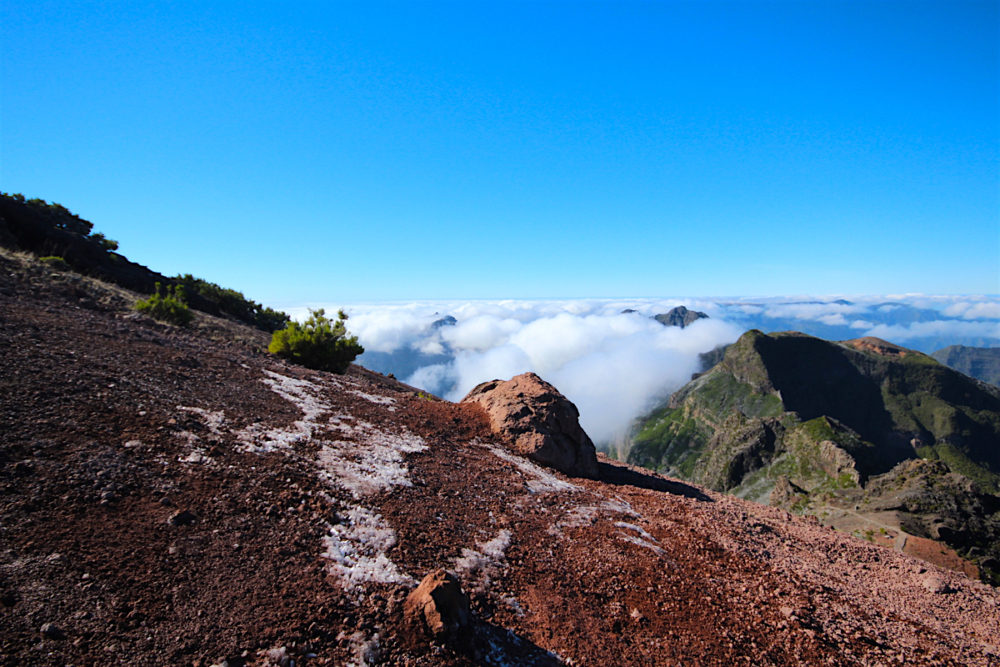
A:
(679, 317)
(539, 422)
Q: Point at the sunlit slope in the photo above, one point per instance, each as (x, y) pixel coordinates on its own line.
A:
(812, 425)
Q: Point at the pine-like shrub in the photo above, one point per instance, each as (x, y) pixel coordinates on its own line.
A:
(169, 307)
(319, 342)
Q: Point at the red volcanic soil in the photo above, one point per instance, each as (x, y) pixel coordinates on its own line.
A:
(173, 496)
(878, 346)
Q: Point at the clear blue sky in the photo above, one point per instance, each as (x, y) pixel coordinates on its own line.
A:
(322, 151)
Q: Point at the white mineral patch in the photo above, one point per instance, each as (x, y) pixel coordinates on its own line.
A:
(374, 398)
(485, 554)
(587, 515)
(357, 549)
(196, 456)
(372, 463)
(539, 479)
(301, 394)
(642, 543)
(213, 419)
(637, 529)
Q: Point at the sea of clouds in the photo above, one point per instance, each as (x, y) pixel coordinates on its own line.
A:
(617, 365)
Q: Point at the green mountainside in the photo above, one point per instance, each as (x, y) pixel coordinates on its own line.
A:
(982, 363)
(819, 427)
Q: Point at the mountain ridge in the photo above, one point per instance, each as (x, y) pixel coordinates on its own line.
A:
(817, 420)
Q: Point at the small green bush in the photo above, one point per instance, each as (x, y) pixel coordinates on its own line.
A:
(170, 307)
(55, 262)
(319, 343)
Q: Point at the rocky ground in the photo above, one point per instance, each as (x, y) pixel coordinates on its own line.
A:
(173, 497)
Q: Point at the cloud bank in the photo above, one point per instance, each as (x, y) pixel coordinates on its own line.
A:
(615, 366)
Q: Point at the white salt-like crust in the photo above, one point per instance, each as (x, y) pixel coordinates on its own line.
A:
(372, 461)
(371, 464)
(539, 479)
(213, 419)
(357, 547)
(485, 554)
(374, 398)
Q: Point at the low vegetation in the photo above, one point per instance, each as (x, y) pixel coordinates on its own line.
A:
(319, 343)
(54, 262)
(170, 306)
(233, 303)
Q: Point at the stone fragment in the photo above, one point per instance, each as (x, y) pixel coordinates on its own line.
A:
(182, 518)
(438, 605)
(539, 422)
(936, 584)
(52, 631)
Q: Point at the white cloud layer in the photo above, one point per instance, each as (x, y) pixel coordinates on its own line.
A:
(616, 365)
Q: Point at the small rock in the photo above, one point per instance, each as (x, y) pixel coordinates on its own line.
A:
(53, 631)
(182, 518)
(936, 584)
(439, 605)
(23, 469)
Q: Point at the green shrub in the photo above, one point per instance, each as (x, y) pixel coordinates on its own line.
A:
(107, 244)
(170, 307)
(54, 262)
(233, 303)
(318, 343)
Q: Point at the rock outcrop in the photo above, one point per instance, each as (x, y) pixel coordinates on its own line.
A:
(539, 422)
(679, 317)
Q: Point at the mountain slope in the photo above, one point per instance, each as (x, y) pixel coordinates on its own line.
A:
(982, 363)
(807, 424)
(174, 496)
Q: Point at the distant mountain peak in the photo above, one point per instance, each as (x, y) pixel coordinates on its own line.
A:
(679, 317)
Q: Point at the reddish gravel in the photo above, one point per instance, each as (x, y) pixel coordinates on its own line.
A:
(319, 501)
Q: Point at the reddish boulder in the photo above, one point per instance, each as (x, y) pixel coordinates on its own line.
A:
(438, 605)
(539, 422)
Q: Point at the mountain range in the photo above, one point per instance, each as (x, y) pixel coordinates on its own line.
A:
(177, 495)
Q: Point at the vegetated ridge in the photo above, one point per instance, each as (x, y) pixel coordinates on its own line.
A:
(52, 231)
(871, 437)
(982, 363)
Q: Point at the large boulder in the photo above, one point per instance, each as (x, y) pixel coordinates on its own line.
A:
(539, 422)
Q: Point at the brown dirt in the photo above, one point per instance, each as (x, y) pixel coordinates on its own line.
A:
(321, 500)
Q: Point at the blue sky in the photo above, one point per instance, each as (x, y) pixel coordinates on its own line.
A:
(345, 151)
